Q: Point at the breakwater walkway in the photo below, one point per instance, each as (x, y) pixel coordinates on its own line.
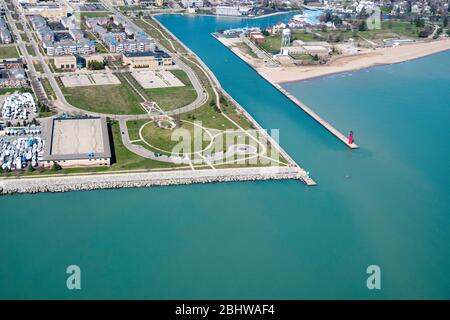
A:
(315, 116)
(143, 179)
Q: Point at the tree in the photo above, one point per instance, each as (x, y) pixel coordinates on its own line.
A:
(30, 168)
(56, 166)
(445, 22)
(96, 65)
(420, 23)
(362, 26)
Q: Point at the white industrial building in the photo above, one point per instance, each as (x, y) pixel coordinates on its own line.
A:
(192, 3)
(232, 11)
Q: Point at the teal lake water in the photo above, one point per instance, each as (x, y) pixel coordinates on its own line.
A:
(385, 204)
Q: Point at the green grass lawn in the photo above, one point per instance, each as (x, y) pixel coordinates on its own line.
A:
(127, 160)
(162, 138)
(95, 14)
(392, 29)
(12, 90)
(9, 51)
(174, 97)
(30, 50)
(114, 99)
(273, 42)
(38, 67)
(48, 88)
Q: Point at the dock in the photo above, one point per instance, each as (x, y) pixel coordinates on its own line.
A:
(315, 116)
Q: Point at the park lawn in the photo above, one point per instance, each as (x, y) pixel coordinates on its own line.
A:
(9, 51)
(30, 50)
(48, 88)
(391, 29)
(127, 160)
(162, 138)
(12, 90)
(95, 14)
(133, 127)
(112, 99)
(272, 44)
(174, 97)
(38, 67)
(402, 29)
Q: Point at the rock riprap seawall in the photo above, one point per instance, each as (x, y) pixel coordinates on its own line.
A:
(142, 179)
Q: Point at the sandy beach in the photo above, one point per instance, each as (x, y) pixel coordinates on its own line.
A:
(355, 62)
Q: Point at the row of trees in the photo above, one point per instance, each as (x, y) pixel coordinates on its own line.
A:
(95, 65)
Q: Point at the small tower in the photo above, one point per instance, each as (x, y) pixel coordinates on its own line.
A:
(350, 137)
(286, 37)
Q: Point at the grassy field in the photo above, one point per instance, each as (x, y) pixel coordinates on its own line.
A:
(48, 88)
(95, 14)
(175, 97)
(391, 29)
(273, 42)
(12, 90)
(30, 50)
(162, 138)
(38, 67)
(126, 159)
(9, 51)
(114, 99)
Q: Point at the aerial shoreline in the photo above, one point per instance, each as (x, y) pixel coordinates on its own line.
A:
(379, 57)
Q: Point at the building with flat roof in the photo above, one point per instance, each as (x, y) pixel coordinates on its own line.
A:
(77, 142)
(49, 10)
(68, 62)
(192, 3)
(151, 60)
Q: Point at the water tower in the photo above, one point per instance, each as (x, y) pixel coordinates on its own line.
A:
(286, 37)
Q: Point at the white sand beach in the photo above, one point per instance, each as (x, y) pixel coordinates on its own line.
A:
(354, 62)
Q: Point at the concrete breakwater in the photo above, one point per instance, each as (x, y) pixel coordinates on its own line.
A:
(143, 179)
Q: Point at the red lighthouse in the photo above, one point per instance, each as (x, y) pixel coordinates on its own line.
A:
(350, 137)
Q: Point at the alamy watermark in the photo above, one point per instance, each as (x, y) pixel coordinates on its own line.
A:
(73, 281)
(374, 280)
